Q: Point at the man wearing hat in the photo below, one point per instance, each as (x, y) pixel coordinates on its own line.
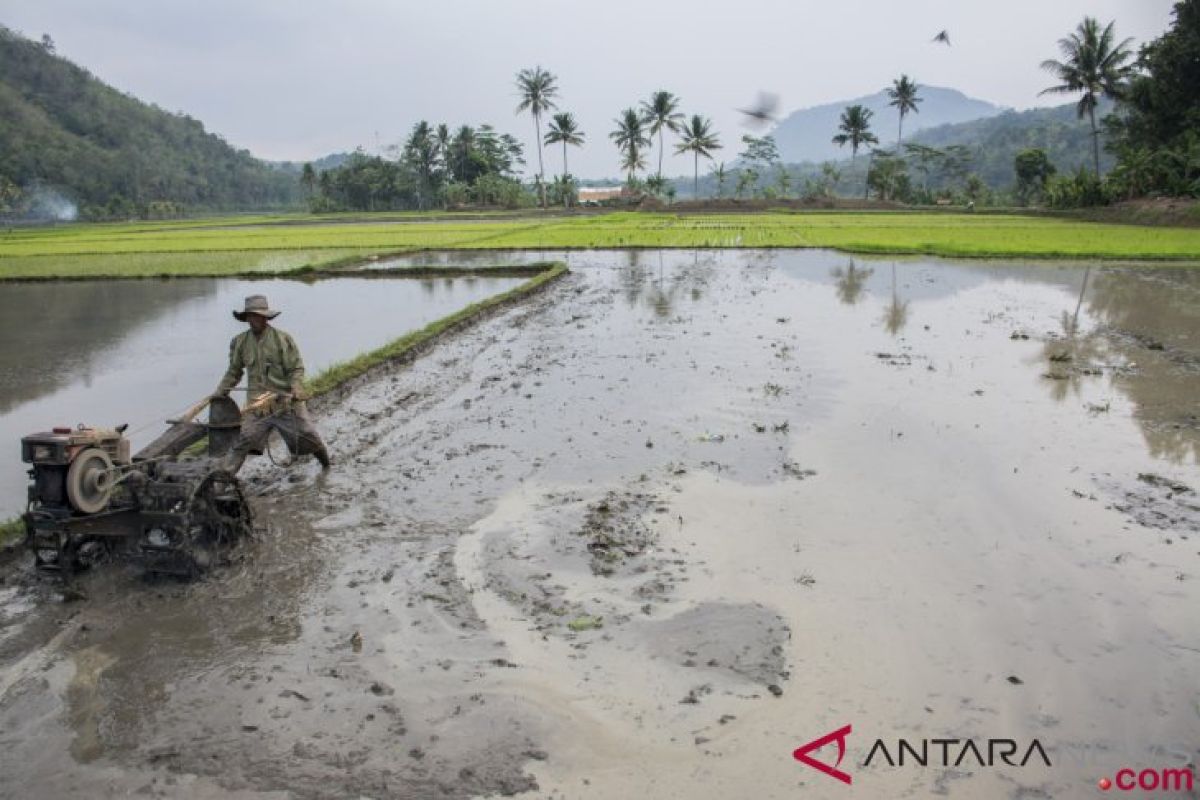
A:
(273, 365)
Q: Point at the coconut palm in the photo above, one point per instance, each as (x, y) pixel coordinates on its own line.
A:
(661, 111)
(631, 138)
(720, 176)
(903, 94)
(537, 90)
(442, 138)
(564, 128)
(699, 140)
(1094, 65)
(855, 127)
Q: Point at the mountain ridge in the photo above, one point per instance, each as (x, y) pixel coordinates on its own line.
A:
(806, 134)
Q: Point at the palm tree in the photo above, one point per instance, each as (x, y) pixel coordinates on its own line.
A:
(420, 151)
(564, 128)
(442, 137)
(1093, 65)
(308, 178)
(461, 148)
(661, 111)
(720, 176)
(699, 140)
(903, 94)
(855, 127)
(537, 91)
(630, 138)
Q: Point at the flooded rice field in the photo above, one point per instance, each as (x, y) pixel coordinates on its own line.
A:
(110, 352)
(651, 531)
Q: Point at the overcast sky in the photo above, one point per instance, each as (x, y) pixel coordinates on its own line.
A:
(295, 80)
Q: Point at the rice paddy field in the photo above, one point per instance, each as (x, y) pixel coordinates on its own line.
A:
(287, 243)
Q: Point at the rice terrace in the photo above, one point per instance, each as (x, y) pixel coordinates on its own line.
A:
(768, 437)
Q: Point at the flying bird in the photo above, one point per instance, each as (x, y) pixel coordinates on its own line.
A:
(762, 112)
(943, 37)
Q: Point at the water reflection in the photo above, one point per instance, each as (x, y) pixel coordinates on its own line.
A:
(895, 316)
(55, 334)
(851, 281)
(661, 278)
(1151, 321)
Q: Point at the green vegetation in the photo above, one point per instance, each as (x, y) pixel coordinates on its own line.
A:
(1157, 133)
(435, 168)
(989, 147)
(11, 530)
(233, 246)
(1094, 66)
(68, 143)
(329, 379)
(192, 264)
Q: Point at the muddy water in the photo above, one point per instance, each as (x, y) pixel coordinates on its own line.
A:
(656, 528)
(108, 352)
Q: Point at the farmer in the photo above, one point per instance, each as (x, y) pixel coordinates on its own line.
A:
(274, 368)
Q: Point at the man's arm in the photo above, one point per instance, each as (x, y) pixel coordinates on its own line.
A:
(234, 373)
(293, 364)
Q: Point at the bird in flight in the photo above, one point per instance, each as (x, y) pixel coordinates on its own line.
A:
(943, 37)
(762, 112)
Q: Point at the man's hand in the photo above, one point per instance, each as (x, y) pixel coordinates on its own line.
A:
(298, 393)
(219, 393)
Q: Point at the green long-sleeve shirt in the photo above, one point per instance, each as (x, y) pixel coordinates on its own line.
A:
(271, 362)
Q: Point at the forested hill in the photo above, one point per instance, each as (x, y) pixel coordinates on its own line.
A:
(67, 139)
(995, 141)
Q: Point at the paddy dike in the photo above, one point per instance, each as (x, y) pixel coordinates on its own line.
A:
(663, 523)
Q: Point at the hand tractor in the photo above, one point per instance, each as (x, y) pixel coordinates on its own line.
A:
(90, 500)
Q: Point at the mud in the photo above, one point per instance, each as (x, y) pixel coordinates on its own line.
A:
(652, 530)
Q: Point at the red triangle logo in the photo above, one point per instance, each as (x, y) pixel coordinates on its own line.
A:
(801, 754)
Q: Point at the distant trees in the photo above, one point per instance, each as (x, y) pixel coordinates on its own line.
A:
(308, 179)
(903, 95)
(1093, 64)
(760, 157)
(697, 137)
(631, 139)
(888, 176)
(421, 153)
(721, 177)
(1033, 169)
(537, 89)
(470, 165)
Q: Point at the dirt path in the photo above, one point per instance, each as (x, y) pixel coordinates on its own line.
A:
(644, 536)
